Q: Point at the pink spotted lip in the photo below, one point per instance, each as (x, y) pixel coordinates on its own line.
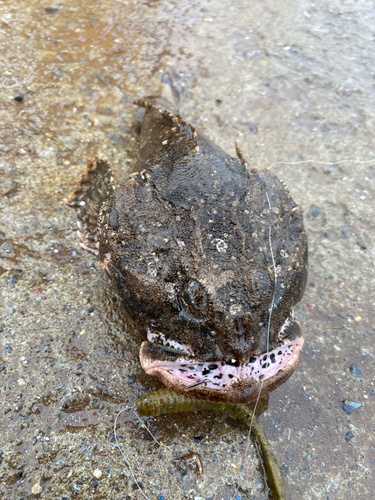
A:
(223, 381)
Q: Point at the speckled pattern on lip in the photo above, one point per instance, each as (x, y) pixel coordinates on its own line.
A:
(226, 375)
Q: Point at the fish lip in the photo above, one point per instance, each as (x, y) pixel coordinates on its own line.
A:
(241, 392)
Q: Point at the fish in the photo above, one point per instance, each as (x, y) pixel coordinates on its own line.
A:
(208, 254)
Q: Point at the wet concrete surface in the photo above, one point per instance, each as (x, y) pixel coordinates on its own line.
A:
(290, 81)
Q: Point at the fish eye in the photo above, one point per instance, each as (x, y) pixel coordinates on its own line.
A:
(194, 298)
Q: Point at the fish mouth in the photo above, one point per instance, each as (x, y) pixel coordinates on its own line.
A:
(175, 366)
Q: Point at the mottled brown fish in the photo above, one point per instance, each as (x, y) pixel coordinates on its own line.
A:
(208, 256)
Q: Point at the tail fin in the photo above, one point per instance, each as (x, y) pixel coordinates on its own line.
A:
(169, 90)
(93, 190)
(169, 93)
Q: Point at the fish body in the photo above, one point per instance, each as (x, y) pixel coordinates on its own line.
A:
(208, 255)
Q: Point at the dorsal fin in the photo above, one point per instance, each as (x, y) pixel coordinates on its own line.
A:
(242, 159)
(93, 190)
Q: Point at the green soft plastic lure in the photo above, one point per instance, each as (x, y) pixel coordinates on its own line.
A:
(166, 401)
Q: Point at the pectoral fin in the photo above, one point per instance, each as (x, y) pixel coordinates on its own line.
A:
(94, 189)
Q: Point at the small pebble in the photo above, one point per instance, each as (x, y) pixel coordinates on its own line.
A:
(355, 370)
(52, 9)
(284, 470)
(97, 473)
(19, 97)
(36, 488)
(350, 406)
(349, 436)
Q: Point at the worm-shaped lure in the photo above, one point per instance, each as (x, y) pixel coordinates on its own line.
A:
(166, 401)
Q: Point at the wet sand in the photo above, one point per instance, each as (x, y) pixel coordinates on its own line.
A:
(289, 81)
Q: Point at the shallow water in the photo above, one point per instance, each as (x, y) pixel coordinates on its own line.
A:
(289, 81)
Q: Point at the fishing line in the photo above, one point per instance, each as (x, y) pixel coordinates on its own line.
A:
(119, 446)
(275, 274)
(319, 163)
(268, 342)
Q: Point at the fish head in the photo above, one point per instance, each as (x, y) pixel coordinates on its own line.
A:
(211, 270)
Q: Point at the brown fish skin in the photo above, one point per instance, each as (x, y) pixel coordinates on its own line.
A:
(187, 243)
